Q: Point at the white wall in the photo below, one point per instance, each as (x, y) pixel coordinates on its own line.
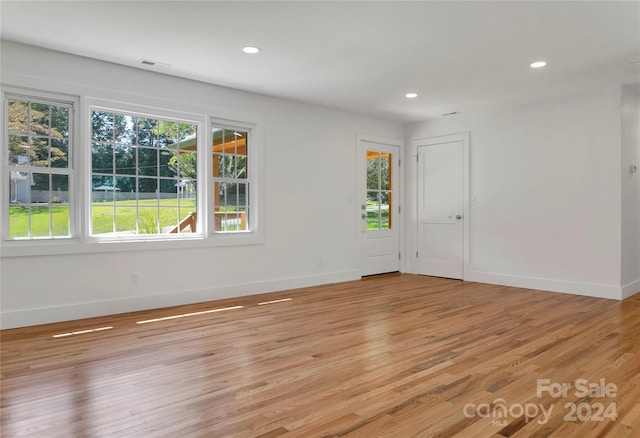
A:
(546, 180)
(630, 189)
(310, 193)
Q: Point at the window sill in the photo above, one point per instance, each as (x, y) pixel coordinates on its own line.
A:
(32, 248)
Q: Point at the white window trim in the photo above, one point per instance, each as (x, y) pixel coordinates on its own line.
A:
(249, 180)
(81, 243)
(255, 166)
(74, 214)
(143, 111)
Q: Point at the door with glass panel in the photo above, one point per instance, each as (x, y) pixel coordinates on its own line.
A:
(379, 205)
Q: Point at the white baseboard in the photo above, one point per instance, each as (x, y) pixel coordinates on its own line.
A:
(569, 287)
(630, 289)
(45, 315)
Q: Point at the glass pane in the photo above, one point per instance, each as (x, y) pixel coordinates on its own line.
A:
(167, 162)
(125, 218)
(385, 208)
(147, 132)
(60, 220)
(125, 129)
(168, 132)
(188, 201)
(60, 122)
(148, 221)
(217, 139)
(241, 197)
(147, 162)
(19, 187)
(60, 189)
(40, 151)
(102, 218)
(19, 150)
(102, 189)
(59, 153)
(228, 164)
(218, 165)
(188, 135)
(184, 165)
(102, 126)
(40, 226)
(18, 117)
(168, 192)
(221, 192)
(241, 165)
(40, 119)
(241, 142)
(18, 221)
(147, 192)
(385, 171)
(373, 211)
(125, 190)
(40, 188)
(169, 219)
(373, 170)
(101, 158)
(125, 159)
(187, 214)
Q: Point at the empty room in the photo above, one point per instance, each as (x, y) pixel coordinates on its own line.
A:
(320, 219)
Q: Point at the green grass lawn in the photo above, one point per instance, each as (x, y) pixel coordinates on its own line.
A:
(123, 215)
(41, 221)
(103, 217)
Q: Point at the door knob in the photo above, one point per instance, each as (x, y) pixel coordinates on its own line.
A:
(458, 217)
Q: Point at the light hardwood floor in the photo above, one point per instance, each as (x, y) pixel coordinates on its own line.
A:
(394, 356)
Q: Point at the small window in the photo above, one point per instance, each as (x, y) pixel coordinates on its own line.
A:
(231, 180)
(39, 169)
(143, 175)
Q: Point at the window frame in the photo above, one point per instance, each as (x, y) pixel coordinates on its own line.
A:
(255, 167)
(48, 98)
(249, 180)
(80, 241)
(154, 113)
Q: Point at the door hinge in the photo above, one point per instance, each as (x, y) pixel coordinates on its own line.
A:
(399, 163)
(417, 254)
(417, 158)
(399, 256)
(399, 209)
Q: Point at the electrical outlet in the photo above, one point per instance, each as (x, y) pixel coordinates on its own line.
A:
(320, 262)
(135, 279)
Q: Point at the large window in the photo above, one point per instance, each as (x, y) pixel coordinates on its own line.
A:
(38, 168)
(143, 175)
(149, 174)
(231, 181)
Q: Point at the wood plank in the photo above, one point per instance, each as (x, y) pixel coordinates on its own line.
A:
(397, 356)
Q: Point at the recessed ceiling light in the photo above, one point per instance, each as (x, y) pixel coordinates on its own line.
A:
(250, 49)
(538, 64)
(411, 95)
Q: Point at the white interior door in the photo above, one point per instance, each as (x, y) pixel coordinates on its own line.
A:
(379, 205)
(441, 212)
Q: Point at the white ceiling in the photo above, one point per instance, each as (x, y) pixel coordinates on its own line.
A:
(356, 56)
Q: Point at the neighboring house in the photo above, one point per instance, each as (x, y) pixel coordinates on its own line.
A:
(19, 190)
